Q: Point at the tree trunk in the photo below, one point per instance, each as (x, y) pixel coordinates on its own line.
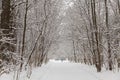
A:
(108, 38)
(118, 2)
(95, 37)
(6, 30)
(24, 33)
(75, 57)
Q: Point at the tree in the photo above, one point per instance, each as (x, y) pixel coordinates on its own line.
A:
(24, 32)
(7, 37)
(108, 37)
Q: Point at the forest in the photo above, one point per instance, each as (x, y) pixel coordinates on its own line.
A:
(83, 31)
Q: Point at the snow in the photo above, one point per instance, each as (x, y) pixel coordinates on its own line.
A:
(65, 70)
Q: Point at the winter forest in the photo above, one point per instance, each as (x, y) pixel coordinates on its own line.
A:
(32, 32)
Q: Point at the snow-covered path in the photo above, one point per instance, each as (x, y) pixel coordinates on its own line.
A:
(66, 71)
(57, 70)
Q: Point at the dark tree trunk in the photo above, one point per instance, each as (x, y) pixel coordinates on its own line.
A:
(7, 32)
(118, 2)
(6, 29)
(74, 51)
(24, 33)
(5, 15)
(108, 38)
(95, 37)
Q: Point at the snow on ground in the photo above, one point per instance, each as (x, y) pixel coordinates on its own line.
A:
(65, 70)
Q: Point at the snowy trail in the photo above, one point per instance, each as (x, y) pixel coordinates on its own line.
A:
(66, 71)
(57, 70)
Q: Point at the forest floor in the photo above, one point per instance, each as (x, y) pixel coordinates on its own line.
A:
(58, 70)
